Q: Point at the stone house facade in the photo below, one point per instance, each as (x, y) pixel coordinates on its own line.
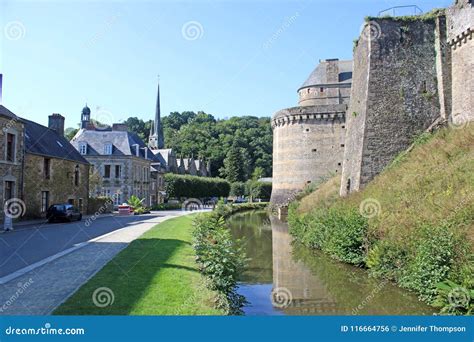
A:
(54, 172)
(120, 161)
(39, 166)
(11, 156)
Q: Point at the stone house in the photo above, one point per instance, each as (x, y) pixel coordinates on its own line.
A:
(11, 156)
(54, 172)
(120, 161)
(39, 167)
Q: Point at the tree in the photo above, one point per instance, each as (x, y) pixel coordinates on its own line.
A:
(70, 132)
(258, 173)
(233, 169)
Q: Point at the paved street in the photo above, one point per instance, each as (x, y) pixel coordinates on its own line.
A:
(44, 286)
(30, 244)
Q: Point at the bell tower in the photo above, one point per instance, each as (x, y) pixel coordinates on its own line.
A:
(85, 117)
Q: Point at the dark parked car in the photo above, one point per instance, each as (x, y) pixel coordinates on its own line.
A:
(63, 212)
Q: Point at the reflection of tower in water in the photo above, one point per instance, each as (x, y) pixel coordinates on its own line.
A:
(307, 293)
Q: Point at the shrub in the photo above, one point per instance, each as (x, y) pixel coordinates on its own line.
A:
(237, 189)
(387, 259)
(343, 234)
(178, 186)
(340, 232)
(257, 189)
(454, 299)
(433, 257)
(221, 259)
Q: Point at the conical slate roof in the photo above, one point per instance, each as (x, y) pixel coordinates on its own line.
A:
(319, 74)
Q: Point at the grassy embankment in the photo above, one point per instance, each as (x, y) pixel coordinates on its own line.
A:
(156, 274)
(413, 224)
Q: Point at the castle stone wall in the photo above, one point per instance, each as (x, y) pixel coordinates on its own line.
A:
(355, 118)
(308, 144)
(395, 95)
(460, 22)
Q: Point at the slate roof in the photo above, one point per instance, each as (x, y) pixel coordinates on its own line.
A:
(122, 143)
(318, 76)
(6, 112)
(46, 142)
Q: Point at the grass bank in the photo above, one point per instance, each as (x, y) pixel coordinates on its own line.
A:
(156, 274)
(413, 224)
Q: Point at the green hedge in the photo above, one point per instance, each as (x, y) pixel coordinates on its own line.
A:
(178, 186)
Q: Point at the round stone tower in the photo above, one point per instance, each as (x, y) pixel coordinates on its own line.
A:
(308, 140)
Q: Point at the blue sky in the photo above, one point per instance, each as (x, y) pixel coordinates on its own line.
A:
(237, 58)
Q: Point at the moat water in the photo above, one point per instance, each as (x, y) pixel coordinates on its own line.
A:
(282, 278)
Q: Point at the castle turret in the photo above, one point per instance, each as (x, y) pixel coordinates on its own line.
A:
(308, 140)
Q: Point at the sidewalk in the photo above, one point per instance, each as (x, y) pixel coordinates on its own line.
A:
(41, 290)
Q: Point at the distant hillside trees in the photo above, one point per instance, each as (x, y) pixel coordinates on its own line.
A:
(238, 147)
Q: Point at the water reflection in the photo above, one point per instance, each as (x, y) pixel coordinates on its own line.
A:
(317, 284)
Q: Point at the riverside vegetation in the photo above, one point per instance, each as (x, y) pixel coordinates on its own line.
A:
(220, 257)
(413, 224)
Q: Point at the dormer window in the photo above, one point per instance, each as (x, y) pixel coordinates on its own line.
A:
(108, 148)
(82, 148)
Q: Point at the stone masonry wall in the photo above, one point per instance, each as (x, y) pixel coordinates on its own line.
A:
(460, 22)
(308, 144)
(60, 184)
(401, 98)
(355, 118)
(10, 171)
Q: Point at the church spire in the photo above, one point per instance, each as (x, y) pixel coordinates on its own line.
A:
(156, 139)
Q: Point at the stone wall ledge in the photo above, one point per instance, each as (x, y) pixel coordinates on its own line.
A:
(298, 114)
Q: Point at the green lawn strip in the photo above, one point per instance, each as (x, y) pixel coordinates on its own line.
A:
(155, 275)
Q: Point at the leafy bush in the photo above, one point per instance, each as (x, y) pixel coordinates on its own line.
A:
(340, 232)
(237, 189)
(135, 202)
(454, 299)
(257, 189)
(387, 259)
(178, 186)
(221, 259)
(431, 262)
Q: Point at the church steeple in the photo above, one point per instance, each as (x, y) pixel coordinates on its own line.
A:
(156, 139)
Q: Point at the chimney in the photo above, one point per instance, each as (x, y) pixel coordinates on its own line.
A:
(119, 127)
(56, 123)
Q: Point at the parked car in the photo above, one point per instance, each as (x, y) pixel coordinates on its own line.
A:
(63, 212)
